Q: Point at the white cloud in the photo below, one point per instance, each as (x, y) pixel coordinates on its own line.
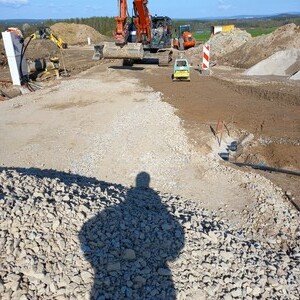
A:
(14, 2)
(223, 5)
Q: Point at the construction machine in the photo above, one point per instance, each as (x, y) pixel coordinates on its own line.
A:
(185, 39)
(140, 37)
(181, 70)
(45, 33)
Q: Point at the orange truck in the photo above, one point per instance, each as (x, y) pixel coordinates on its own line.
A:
(185, 39)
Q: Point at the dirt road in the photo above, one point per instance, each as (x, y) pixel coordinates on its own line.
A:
(112, 175)
(269, 109)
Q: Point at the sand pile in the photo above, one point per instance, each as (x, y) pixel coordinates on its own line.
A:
(221, 44)
(76, 34)
(225, 42)
(282, 63)
(259, 48)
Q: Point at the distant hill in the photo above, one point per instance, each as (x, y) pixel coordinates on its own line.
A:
(245, 17)
(22, 21)
(277, 16)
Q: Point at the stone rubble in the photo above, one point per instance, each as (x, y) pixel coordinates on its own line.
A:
(65, 236)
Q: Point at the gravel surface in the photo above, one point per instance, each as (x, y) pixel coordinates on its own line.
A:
(66, 236)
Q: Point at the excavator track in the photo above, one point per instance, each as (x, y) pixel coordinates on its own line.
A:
(164, 57)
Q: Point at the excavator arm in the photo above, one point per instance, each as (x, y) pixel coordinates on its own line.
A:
(121, 48)
(142, 21)
(135, 40)
(121, 33)
(45, 33)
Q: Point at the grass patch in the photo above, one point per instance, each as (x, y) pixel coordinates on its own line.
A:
(201, 37)
(260, 31)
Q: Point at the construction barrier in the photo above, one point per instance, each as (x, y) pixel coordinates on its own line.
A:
(206, 57)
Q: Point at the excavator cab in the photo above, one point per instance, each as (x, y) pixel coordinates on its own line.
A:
(185, 39)
(161, 33)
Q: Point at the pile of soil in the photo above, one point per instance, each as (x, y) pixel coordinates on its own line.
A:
(77, 34)
(220, 44)
(225, 42)
(41, 49)
(259, 48)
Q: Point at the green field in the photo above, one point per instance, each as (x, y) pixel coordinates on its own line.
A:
(260, 31)
(201, 37)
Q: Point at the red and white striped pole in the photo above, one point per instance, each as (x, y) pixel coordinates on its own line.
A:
(206, 57)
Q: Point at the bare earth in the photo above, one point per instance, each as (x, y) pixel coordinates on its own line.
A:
(108, 122)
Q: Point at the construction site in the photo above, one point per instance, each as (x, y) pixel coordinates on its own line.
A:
(123, 179)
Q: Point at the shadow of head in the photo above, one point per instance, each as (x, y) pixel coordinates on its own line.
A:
(142, 180)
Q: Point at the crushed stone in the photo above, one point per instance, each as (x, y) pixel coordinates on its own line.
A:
(68, 236)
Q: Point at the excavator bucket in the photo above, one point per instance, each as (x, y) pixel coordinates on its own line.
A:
(111, 50)
(98, 52)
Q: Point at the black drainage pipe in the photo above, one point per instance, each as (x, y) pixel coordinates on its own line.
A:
(266, 168)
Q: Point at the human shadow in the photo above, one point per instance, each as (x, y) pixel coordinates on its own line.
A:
(129, 245)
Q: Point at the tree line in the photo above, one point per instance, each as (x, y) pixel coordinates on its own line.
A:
(106, 25)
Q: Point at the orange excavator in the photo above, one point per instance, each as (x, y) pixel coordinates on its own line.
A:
(139, 37)
(185, 39)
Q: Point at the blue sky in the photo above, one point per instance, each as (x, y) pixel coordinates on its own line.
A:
(57, 9)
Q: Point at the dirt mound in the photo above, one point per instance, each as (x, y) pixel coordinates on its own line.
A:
(76, 34)
(225, 42)
(282, 63)
(221, 44)
(36, 49)
(40, 49)
(3, 59)
(259, 48)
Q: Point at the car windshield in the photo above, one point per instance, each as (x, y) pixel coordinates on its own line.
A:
(181, 63)
(184, 28)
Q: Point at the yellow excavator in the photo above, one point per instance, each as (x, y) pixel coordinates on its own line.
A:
(45, 33)
(52, 67)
